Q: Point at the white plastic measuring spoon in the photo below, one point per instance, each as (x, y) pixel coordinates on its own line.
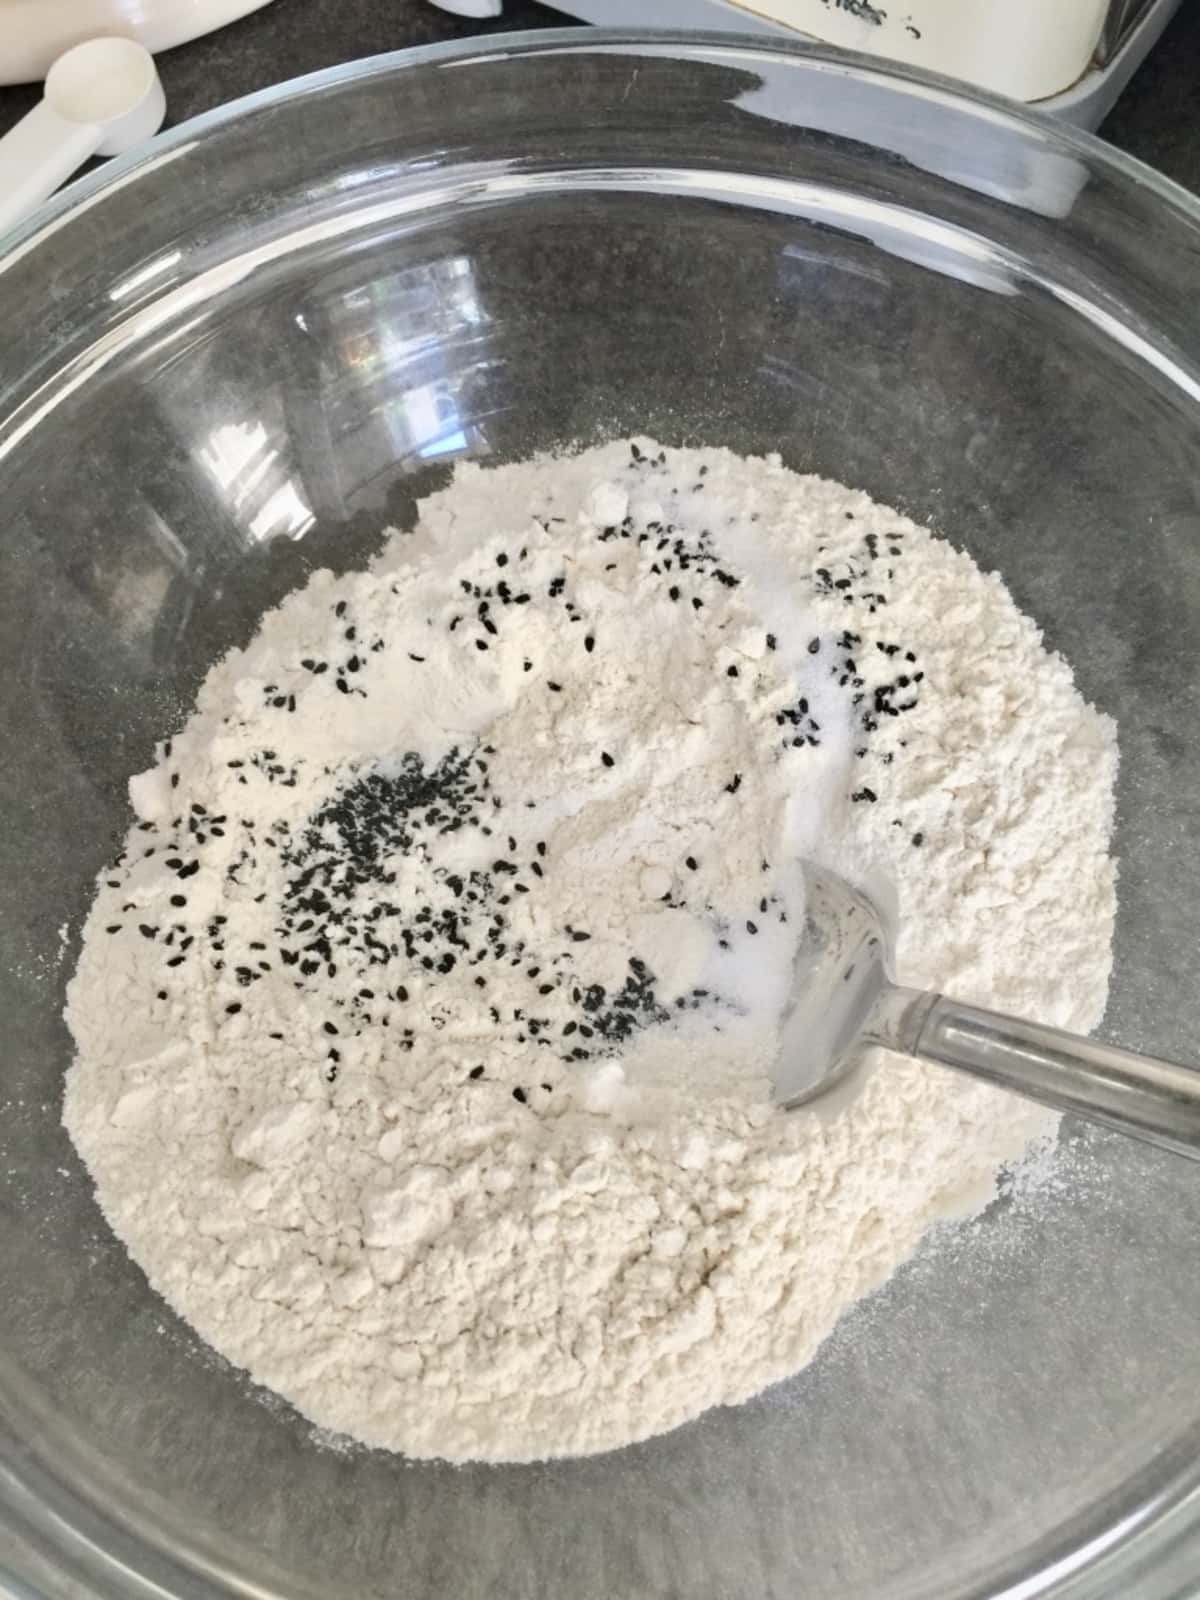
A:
(102, 98)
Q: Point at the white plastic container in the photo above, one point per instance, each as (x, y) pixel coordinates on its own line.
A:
(34, 33)
(1027, 49)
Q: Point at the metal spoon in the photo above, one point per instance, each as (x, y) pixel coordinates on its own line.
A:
(845, 1000)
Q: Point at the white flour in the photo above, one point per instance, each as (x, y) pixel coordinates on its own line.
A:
(424, 1024)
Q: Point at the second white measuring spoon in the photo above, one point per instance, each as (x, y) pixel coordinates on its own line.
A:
(102, 98)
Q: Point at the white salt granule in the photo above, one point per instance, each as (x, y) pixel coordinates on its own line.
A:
(424, 1024)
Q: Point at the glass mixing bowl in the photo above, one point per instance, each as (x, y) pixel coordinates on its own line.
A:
(241, 357)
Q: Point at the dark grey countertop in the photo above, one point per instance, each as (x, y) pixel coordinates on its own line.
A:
(1158, 119)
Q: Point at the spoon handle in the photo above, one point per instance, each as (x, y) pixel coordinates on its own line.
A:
(1153, 1100)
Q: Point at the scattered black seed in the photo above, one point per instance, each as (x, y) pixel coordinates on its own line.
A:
(751, 927)
(864, 794)
(607, 759)
(731, 672)
(233, 1008)
(475, 1072)
(691, 863)
(519, 1094)
(918, 839)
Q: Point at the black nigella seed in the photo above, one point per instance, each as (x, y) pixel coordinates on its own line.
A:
(233, 1008)
(673, 592)
(179, 899)
(691, 863)
(541, 847)
(475, 1072)
(864, 794)
(502, 559)
(481, 644)
(589, 644)
(146, 931)
(752, 927)
(607, 759)
(813, 646)
(771, 641)
(162, 994)
(401, 993)
(918, 839)
(555, 687)
(330, 1027)
(731, 672)
(339, 610)
(113, 927)
(519, 1094)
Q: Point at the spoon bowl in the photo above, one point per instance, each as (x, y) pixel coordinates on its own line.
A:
(845, 1001)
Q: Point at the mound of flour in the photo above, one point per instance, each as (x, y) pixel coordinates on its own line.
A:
(424, 1021)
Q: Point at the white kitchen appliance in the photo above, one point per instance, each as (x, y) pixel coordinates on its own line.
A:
(34, 33)
(1069, 57)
